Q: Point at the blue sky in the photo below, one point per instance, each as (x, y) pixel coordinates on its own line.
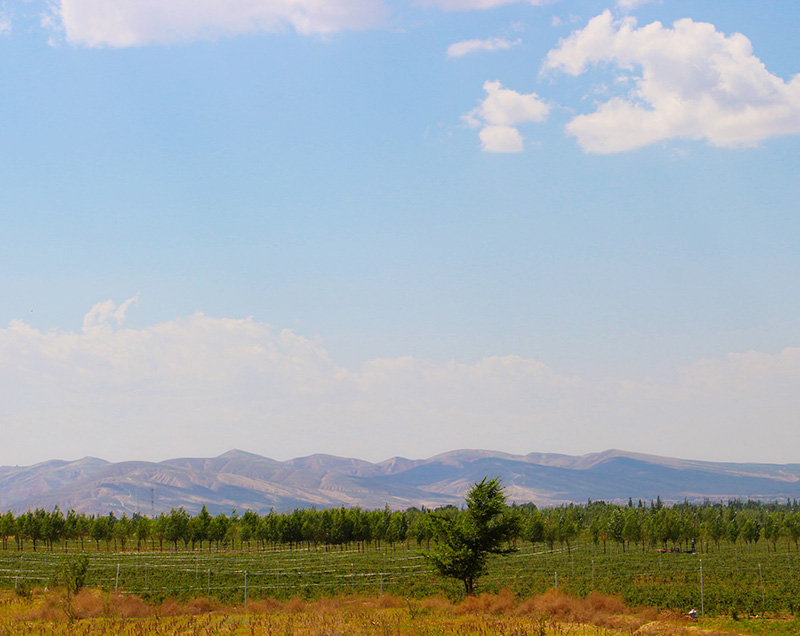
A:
(375, 228)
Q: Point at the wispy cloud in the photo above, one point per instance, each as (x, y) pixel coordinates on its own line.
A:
(694, 83)
(471, 5)
(630, 5)
(465, 47)
(125, 23)
(201, 385)
(5, 23)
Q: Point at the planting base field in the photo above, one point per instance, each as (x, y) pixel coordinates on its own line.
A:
(93, 612)
(732, 580)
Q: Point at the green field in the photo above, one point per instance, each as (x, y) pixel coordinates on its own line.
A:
(735, 580)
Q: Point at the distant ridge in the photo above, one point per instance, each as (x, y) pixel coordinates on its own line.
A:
(242, 480)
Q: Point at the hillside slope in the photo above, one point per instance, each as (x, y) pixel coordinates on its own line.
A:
(244, 481)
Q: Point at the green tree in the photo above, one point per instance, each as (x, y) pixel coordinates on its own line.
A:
(732, 529)
(199, 527)
(7, 527)
(177, 527)
(249, 527)
(75, 571)
(616, 526)
(122, 532)
(467, 540)
(70, 528)
(218, 529)
(534, 528)
(633, 527)
(751, 531)
(53, 526)
(793, 527)
(716, 529)
(773, 528)
(101, 530)
(422, 530)
(159, 530)
(398, 528)
(144, 527)
(31, 525)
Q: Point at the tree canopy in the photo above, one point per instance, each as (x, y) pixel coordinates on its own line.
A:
(466, 541)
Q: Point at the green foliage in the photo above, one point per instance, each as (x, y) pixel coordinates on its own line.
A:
(75, 572)
(465, 542)
(23, 589)
(313, 553)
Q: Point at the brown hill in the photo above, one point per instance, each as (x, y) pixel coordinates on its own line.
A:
(244, 481)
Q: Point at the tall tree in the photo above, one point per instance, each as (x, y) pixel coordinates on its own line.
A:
(467, 540)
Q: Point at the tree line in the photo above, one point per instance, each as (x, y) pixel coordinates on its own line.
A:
(608, 526)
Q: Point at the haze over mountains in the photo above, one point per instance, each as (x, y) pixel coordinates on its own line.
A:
(244, 481)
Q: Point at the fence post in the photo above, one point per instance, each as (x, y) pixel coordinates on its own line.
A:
(245, 589)
(116, 580)
(208, 585)
(763, 597)
(592, 574)
(556, 581)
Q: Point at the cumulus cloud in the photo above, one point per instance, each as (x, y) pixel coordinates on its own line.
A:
(458, 49)
(200, 385)
(500, 112)
(136, 22)
(689, 81)
(501, 139)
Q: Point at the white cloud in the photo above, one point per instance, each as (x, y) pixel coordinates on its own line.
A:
(630, 5)
(99, 316)
(693, 83)
(500, 139)
(465, 47)
(124, 23)
(557, 21)
(201, 385)
(5, 24)
(470, 5)
(499, 114)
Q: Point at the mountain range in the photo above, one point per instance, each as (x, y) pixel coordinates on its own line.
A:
(242, 480)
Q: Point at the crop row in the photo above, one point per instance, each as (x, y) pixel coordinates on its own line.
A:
(722, 581)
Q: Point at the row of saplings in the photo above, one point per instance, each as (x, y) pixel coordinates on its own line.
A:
(654, 525)
(464, 542)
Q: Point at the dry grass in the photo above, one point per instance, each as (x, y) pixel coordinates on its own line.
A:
(502, 603)
(502, 614)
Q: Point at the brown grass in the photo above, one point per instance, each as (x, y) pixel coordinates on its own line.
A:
(387, 601)
(502, 603)
(200, 606)
(435, 603)
(502, 614)
(264, 606)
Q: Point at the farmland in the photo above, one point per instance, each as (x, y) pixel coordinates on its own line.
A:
(736, 579)
(250, 574)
